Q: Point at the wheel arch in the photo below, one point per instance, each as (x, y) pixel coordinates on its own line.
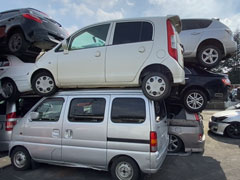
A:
(8, 78)
(18, 146)
(198, 88)
(41, 70)
(13, 29)
(212, 41)
(178, 136)
(155, 68)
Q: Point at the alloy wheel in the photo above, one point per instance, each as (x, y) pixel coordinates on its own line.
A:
(234, 130)
(173, 143)
(15, 42)
(195, 100)
(7, 89)
(209, 56)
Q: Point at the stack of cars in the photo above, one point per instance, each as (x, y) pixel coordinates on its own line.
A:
(143, 53)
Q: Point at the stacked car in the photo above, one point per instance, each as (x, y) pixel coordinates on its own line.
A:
(144, 53)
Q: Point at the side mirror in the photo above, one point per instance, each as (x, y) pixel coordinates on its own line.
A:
(65, 46)
(34, 115)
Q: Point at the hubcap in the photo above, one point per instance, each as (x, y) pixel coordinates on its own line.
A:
(15, 43)
(234, 130)
(20, 159)
(173, 143)
(195, 100)
(44, 84)
(7, 90)
(124, 171)
(209, 56)
(155, 86)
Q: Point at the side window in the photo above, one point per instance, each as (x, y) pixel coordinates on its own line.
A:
(188, 24)
(4, 62)
(128, 110)
(92, 37)
(160, 110)
(131, 32)
(49, 109)
(87, 110)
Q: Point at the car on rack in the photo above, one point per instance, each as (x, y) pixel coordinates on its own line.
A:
(226, 123)
(141, 52)
(206, 41)
(28, 29)
(15, 76)
(186, 131)
(201, 86)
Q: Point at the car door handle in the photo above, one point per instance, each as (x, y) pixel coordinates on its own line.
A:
(141, 49)
(98, 54)
(68, 134)
(195, 33)
(55, 133)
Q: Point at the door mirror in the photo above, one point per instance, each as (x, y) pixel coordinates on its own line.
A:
(65, 46)
(34, 115)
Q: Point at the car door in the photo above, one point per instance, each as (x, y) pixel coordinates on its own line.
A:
(130, 47)
(84, 62)
(190, 35)
(43, 134)
(85, 130)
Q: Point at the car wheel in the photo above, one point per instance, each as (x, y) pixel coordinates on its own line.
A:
(175, 144)
(194, 100)
(233, 130)
(17, 43)
(43, 84)
(156, 86)
(209, 56)
(9, 90)
(20, 158)
(124, 168)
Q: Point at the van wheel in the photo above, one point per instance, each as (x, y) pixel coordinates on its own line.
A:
(156, 86)
(194, 100)
(209, 56)
(9, 90)
(124, 168)
(20, 158)
(17, 43)
(175, 144)
(43, 84)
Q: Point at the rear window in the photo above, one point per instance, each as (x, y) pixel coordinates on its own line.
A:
(175, 111)
(3, 107)
(188, 24)
(128, 110)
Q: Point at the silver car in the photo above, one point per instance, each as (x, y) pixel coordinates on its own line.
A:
(207, 40)
(226, 122)
(117, 130)
(185, 130)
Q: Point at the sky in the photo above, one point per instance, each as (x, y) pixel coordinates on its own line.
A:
(75, 14)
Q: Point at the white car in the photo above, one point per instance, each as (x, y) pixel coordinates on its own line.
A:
(123, 53)
(15, 76)
(206, 40)
(226, 122)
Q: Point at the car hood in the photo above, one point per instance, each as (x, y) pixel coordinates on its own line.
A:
(227, 113)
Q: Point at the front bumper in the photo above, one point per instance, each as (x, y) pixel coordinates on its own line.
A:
(217, 127)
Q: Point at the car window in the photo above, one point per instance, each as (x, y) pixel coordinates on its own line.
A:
(175, 111)
(188, 24)
(92, 37)
(8, 14)
(160, 110)
(49, 109)
(131, 32)
(128, 110)
(4, 62)
(87, 110)
(3, 107)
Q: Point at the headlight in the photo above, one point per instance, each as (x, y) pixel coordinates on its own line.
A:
(218, 119)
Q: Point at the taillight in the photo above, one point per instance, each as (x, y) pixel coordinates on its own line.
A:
(153, 141)
(172, 43)
(226, 81)
(200, 137)
(11, 121)
(34, 18)
(197, 117)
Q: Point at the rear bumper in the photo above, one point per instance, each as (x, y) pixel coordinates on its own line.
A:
(197, 146)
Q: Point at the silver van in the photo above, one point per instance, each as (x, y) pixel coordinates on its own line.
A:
(117, 130)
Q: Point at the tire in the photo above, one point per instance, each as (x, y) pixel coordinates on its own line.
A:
(9, 90)
(17, 43)
(209, 56)
(194, 100)
(20, 158)
(124, 168)
(43, 84)
(156, 86)
(175, 144)
(233, 130)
